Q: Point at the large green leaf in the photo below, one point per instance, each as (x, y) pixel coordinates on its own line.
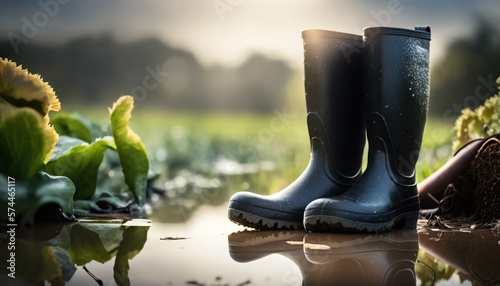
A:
(75, 125)
(30, 195)
(26, 141)
(80, 162)
(133, 157)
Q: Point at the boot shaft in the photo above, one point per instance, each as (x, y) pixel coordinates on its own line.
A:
(332, 70)
(396, 75)
(333, 86)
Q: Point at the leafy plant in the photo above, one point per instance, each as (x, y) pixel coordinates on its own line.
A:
(60, 163)
(482, 122)
(26, 138)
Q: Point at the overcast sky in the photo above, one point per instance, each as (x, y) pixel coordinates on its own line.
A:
(226, 31)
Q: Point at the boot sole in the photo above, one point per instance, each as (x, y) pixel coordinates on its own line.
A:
(262, 223)
(321, 223)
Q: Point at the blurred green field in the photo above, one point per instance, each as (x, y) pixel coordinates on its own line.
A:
(204, 158)
(189, 138)
(264, 152)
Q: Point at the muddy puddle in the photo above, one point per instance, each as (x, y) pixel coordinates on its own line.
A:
(209, 250)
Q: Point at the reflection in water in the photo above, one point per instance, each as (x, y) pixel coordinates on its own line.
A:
(213, 253)
(336, 259)
(362, 259)
(475, 254)
(57, 259)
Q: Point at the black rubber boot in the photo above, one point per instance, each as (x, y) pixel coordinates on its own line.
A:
(333, 77)
(396, 64)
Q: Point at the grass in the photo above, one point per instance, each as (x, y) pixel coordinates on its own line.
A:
(436, 147)
(196, 154)
(197, 140)
(251, 138)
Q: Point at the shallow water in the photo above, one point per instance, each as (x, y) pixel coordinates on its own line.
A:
(208, 249)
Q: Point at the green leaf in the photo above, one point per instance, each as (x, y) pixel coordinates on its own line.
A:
(64, 144)
(80, 162)
(133, 157)
(75, 125)
(26, 141)
(39, 190)
(94, 242)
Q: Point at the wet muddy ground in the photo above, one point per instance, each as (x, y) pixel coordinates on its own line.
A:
(209, 250)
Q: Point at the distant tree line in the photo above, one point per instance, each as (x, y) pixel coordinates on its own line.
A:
(466, 75)
(97, 70)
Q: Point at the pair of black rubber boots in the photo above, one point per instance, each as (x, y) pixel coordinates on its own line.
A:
(378, 83)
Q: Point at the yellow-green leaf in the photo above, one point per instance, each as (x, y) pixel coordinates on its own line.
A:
(23, 89)
(26, 141)
(131, 151)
